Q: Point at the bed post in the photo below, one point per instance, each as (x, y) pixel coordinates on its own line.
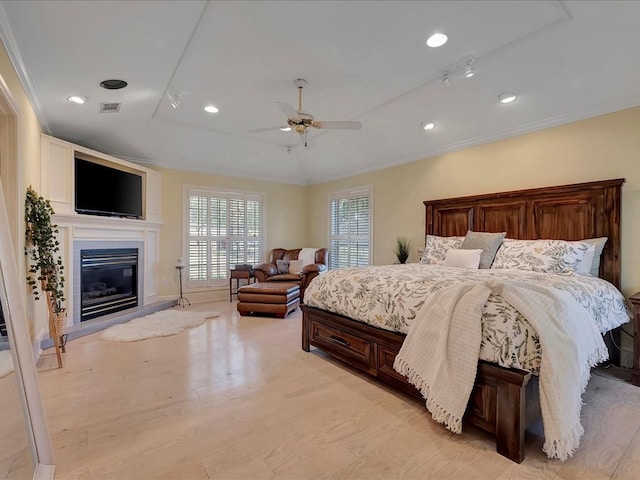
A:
(305, 330)
(511, 414)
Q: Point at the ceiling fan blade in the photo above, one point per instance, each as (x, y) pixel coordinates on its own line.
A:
(338, 125)
(266, 129)
(288, 110)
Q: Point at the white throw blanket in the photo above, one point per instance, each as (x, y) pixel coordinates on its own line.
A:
(440, 354)
(308, 256)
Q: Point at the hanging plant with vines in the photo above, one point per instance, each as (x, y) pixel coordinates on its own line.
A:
(43, 251)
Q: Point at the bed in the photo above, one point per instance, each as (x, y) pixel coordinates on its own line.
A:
(504, 401)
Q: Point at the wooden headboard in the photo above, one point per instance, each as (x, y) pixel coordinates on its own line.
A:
(567, 212)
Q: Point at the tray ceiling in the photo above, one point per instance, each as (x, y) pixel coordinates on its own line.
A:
(364, 61)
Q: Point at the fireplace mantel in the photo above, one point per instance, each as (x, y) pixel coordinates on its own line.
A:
(102, 222)
(94, 230)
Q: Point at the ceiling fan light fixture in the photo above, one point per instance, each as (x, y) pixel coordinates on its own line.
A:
(211, 109)
(285, 129)
(428, 125)
(437, 40)
(507, 97)
(79, 99)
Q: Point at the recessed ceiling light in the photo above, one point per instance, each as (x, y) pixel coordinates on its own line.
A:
(428, 125)
(77, 99)
(437, 40)
(285, 129)
(211, 109)
(507, 97)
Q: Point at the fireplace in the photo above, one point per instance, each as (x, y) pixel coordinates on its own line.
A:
(108, 281)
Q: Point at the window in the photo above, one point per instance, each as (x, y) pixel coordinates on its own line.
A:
(350, 229)
(224, 229)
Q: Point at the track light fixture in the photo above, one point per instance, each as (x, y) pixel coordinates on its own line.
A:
(464, 68)
(468, 69)
(175, 99)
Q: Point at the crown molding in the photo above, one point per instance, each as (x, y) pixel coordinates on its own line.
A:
(11, 46)
(550, 122)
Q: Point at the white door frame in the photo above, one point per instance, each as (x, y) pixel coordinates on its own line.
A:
(12, 295)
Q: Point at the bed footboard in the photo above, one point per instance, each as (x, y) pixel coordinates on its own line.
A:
(504, 402)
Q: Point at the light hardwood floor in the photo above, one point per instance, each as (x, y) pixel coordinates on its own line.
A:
(237, 398)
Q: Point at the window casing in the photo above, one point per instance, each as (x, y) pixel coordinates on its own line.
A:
(223, 228)
(350, 227)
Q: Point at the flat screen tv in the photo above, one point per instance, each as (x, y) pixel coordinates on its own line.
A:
(102, 190)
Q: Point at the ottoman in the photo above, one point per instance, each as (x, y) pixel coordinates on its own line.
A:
(276, 298)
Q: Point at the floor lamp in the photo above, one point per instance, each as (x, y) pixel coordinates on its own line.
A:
(182, 300)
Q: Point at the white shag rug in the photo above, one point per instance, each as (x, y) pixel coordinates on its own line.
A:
(6, 363)
(159, 324)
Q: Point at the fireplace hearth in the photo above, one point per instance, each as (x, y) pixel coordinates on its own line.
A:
(108, 281)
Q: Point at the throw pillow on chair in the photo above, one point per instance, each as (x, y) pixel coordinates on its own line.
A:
(283, 266)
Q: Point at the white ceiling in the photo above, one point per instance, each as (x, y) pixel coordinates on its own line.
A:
(363, 60)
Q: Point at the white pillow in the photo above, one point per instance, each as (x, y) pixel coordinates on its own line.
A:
(467, 258)
(296, 266)
(436, 248)
(598, 243)
(550, 256)
(584, 267)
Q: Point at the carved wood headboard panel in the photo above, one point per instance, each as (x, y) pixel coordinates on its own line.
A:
(567, 212)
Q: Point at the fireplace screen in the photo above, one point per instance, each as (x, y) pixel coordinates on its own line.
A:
(109, 281)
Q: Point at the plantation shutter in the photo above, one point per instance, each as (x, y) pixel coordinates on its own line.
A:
(350, 228)
(224, 229)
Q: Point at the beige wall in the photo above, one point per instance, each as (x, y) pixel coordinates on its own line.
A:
(600, 148)
(285, 211)
(28, 173)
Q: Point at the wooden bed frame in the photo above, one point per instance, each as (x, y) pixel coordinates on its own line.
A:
(504, 401)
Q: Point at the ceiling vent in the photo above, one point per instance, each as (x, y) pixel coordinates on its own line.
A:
(109, 107)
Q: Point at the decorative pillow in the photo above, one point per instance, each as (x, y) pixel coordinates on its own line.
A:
(296, 266)
(463, 258)
(550, 256)
(283, 266)
(598, 244)
(489, 243)
(436, 248)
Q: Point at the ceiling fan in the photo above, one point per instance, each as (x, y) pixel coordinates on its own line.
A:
(300, 121)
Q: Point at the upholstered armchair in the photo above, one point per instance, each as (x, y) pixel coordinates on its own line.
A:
(298, 266)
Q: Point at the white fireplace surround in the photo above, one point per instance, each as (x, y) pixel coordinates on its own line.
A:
(79, 231)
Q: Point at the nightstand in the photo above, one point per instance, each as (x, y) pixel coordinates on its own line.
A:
(238, 274)
(635, 372)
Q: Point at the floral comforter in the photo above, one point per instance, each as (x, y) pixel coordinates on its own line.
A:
(389, 297)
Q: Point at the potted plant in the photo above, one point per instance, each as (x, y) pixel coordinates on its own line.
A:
(45, 265)
(402, 249)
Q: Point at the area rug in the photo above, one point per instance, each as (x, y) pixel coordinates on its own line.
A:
(6, 363)
(159, 324)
